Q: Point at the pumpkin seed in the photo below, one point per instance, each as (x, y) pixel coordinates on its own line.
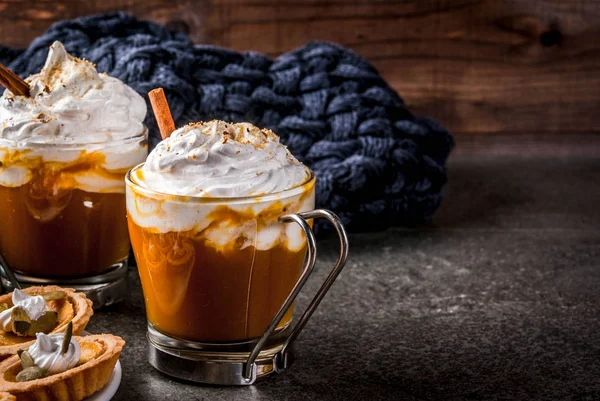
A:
(67, 338)
(31, 373)
(53, 295)
(26, 360)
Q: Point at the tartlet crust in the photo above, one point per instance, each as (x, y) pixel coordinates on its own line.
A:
(7, 397)
(82, 312)
(72, 385)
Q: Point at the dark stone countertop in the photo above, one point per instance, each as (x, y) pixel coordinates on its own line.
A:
(498, 297)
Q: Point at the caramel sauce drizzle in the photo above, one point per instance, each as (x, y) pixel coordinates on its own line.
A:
(50, 176)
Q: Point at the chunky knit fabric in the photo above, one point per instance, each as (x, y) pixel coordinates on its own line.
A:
(377, 164)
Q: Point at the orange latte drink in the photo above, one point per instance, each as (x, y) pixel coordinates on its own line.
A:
(64, 153)
(215, 261)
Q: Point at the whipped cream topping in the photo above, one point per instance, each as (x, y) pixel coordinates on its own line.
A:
(34, 306)
(221, 160)
(216, 159)
(47, 353)
(71, 103)
(75, 117)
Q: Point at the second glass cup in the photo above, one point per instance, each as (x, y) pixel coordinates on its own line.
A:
(62, 208)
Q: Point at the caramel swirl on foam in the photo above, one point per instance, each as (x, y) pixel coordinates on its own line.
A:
(73, 112)
(216, 159)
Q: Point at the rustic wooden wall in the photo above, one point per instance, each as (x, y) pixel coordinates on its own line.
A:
(480, 66)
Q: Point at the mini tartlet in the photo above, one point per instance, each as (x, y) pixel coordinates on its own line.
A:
(99, 354)
(74, 307)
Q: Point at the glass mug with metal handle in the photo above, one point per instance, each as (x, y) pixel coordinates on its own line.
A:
(220, 276)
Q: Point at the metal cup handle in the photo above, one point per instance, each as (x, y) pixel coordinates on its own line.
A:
(250, 367)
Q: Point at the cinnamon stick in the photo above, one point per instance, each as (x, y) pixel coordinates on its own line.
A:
(162, 112)
(13, 82)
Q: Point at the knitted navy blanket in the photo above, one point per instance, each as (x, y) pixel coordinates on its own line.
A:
(377, 164)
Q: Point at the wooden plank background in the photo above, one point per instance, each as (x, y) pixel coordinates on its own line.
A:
(479, 66)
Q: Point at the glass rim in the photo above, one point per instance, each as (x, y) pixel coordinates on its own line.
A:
(296, 190)
(24, 143)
